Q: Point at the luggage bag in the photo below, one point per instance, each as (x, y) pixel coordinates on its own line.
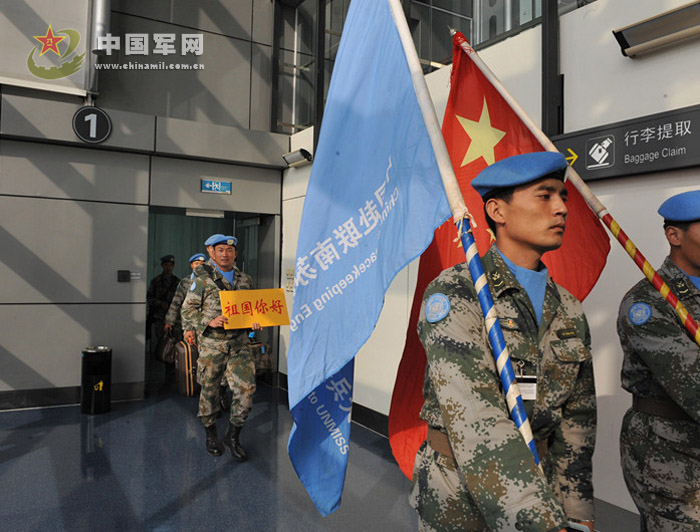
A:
(261, 356)
(186, 355)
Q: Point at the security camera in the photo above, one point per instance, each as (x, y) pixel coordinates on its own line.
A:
(299, 157)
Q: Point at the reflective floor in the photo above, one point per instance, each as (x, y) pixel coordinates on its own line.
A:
(143, 466)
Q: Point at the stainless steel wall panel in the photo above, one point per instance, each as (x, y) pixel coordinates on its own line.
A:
(218, 92)
(177, 183)
(260, 87)
(52, 171)
(60, 251)
(41, 345)
(263, 21)
(40, 118)
(195, 139)
(227, 17)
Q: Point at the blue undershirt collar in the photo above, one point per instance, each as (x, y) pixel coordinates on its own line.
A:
(533, 282)
(227, 275)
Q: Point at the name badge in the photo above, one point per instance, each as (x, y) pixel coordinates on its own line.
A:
(528, 387)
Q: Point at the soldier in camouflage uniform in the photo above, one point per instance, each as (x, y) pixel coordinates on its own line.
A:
(221, 352)
(160, 293)
(475, 472)
(173, 321)
(660, 437)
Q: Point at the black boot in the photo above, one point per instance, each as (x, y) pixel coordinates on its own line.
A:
(224, 399)
(232, 441)
(213, 446)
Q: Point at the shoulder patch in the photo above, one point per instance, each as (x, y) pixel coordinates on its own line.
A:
(437, 307)
(639, 313)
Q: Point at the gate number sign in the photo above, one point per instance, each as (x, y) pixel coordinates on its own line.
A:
(91, 124)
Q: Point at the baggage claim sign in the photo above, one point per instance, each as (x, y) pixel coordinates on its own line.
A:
(664, 141)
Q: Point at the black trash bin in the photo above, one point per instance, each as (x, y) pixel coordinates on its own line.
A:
(96, 382)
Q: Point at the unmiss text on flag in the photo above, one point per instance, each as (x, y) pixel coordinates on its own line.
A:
(374, 199)
(481, 128)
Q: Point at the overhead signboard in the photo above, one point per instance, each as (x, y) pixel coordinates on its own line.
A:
(44, 44)
(653, 143)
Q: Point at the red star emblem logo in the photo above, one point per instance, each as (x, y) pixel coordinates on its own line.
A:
(49, 42)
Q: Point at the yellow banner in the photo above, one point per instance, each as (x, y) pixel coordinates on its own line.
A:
(242, 308)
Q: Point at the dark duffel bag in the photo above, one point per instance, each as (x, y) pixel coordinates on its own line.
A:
(186, 355)
(261, 356)
(166, 348)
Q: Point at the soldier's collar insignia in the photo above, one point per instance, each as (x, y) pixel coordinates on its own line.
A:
(639, 313)
(497, 279)
(437, 307)
(681, 287)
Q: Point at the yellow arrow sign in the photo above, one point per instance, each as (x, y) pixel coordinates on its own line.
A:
(571, 158)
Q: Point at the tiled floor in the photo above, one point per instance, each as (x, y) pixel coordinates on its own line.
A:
(143, 466)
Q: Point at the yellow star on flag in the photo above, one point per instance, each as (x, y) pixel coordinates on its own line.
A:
(483, 137)
(49, 42)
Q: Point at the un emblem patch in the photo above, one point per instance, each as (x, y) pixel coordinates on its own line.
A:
(437, 307)
(639, 313)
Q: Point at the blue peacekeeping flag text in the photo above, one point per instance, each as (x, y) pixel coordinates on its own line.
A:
(374, 199)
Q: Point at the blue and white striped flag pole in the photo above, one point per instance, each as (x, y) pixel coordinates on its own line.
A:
(498, 344)
(460, 215)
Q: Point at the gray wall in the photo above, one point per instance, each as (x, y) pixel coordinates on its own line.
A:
(72, 214)
(69, 219)
(233, 89)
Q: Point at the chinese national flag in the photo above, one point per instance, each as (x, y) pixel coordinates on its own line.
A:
(480, 128)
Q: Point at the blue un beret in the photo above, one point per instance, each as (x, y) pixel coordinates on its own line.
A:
(683, 207)
(167, 258)
(520, 170)
(213, 240)
(197, 256)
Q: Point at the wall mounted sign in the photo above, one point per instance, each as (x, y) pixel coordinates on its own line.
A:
(91, 124)
(216, 186)
(653, 143)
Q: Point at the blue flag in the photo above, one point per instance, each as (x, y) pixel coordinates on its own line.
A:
(374, 199)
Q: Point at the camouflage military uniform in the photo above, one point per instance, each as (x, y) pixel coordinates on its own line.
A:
(160, 293)
(661, 455)
(172, 317)
(221, 352)
(492, 482)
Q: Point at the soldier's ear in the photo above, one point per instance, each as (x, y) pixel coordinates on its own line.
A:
(495, 209)
(674, 235)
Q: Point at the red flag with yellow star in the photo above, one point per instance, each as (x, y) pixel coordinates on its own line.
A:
(480, 128)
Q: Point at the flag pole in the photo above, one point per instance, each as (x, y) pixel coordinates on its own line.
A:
(593, 202)
(461, 217)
